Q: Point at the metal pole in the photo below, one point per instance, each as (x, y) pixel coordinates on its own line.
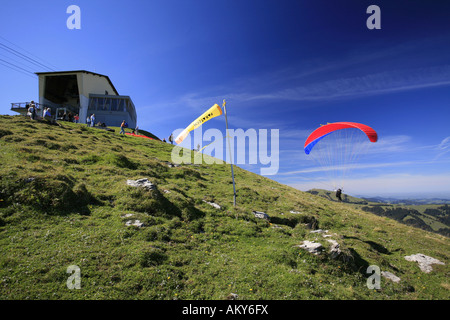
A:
(229, 149)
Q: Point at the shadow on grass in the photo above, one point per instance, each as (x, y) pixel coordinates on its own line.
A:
(375, 246)
(53, 195)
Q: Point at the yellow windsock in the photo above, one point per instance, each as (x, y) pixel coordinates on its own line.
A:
(212, 112)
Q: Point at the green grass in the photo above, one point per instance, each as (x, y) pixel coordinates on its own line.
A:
(64, 197)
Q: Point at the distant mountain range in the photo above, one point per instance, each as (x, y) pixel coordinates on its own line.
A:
(417, 201)
(432, 214)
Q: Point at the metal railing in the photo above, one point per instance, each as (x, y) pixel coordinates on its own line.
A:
(25, 105)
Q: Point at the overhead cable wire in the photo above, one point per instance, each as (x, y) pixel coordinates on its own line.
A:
(15, 61)
(47, 63)
(8, 65)
(22, 56)
(17, 66)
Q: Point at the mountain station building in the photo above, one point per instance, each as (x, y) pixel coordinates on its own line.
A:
(84, 93)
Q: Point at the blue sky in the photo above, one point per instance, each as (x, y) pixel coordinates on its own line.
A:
(286, 65)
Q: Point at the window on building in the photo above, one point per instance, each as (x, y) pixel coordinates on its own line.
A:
(114, 104)
(121, 105)
(100, 103)
(107, 104)
(93, 104)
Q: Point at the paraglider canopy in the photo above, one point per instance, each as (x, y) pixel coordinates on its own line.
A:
(138, 135)
(325, 130)
(336, 148)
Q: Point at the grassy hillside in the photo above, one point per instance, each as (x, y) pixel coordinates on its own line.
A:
(429, 217)
(64, 201)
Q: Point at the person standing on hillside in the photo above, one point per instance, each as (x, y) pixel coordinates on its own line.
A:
(122, 127)
(338, 194)
(171, 138)
(93, 120)
(47, 114)
(32, 110)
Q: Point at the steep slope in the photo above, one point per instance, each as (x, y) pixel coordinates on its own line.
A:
(65, 205)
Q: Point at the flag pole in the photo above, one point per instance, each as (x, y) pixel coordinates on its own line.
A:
(229, 149)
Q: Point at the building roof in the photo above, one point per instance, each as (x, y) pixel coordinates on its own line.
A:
(78, 71)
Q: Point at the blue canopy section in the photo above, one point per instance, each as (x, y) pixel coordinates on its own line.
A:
(309, 147)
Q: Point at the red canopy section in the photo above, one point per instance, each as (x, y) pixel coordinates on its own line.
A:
(322, 131)
(138, 135)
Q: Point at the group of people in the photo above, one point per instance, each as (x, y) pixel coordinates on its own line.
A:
(70, 117)
(90, 120)
(32, 112)
(170, 139)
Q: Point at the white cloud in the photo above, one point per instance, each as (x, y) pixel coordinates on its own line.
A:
(443, 148)
(389, 144)
(349, 166)
(370, 84)
(445, 144)
(351, 87)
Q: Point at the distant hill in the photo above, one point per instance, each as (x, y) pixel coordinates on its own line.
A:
(138, 226)
(407, 201)
(421, 213)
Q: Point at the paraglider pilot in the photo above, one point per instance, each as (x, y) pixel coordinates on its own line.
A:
(338, 194)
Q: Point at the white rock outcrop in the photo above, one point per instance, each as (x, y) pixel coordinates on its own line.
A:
(311, 246)
(261, 215)
(212, 204)
(143, 183)
(390, 276)
(424, 261)
(335, 251)
(135, 223)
